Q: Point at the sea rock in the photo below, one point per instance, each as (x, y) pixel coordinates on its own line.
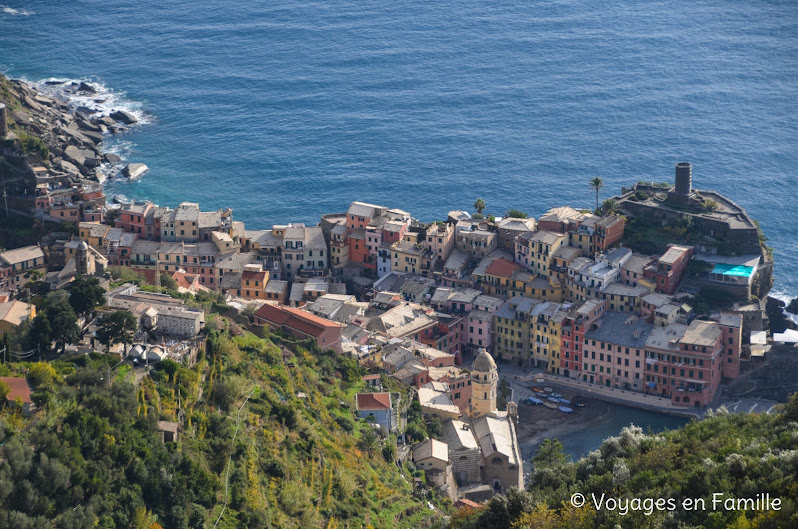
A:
(30, 103)
(74, 155)
(54, 83)
(84, 110)
(135, 170)
(95, 136)
(86, 125)
(21, 118)
(86, 88)
(125, 117)
(108, 121)
(69, 168)
(112, 158)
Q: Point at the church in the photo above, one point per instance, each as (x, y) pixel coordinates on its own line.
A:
(483, 451)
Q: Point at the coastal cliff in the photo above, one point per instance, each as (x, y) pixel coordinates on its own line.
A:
(54, 133)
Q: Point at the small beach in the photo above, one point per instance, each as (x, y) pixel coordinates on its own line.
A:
(585, 428)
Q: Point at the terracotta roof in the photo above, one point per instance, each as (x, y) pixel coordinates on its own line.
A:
(19, 388)
(502, 268)
(371, 377)
(373, 401)
(467, 503)
(298, 319)
(272, 314)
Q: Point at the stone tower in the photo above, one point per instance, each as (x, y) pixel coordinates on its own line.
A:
(684, 180)
(3, 122)
(82, 259)
(484, 383)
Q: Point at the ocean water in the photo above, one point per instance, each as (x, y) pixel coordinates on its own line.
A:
(287, 110)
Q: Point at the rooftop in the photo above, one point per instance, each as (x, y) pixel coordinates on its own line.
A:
(620, 328)
(373, 401)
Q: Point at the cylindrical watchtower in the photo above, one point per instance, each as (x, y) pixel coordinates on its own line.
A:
(684, 179)
(3, 122)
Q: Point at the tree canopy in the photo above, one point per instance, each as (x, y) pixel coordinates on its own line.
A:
(85, 294)
(117, 327)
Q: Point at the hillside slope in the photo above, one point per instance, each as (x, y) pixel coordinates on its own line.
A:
(93, 455)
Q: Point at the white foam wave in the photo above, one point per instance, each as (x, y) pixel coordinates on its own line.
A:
(19, 12)
(101, 101)
(786, 298)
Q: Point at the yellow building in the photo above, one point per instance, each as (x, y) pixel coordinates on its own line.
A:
(408, 255)
(544, 289)
(93, 233)
(542, 246)
(13, 313)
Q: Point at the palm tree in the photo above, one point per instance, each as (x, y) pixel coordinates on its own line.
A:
(597, 183)
(479, 205)
(609, 207)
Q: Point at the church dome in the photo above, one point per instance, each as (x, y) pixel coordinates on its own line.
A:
(484, 362)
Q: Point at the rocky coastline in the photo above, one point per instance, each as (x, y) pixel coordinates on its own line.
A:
(73, 135)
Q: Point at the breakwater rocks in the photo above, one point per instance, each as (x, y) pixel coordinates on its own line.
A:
(72, 118)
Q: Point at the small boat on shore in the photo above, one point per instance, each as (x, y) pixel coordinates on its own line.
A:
(550, 405)
(564, 401)
(538, 390)
(556, 395)
(580, 404)
(549, 390)
(535, 401)
(565, 409)
(553, 399)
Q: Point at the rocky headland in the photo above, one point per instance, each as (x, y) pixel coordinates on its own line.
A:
(67, 137)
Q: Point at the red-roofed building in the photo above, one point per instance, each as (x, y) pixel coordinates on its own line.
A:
(376, 408)
(467, 504)
(18, 390)
(302, 324)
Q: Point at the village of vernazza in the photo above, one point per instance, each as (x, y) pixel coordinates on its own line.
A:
(413, 266)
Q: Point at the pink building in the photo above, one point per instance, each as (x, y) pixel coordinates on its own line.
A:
(614, 351)
(684, 363)
(479, 323)
(731, 326)
(576, 323)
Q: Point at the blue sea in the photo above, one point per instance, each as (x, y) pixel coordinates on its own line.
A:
(286, 110)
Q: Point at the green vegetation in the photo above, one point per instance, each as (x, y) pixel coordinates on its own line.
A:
(737, 455)
(93, 456)
(123, 274)
(648, 237)
(33, 145)
(117, 327)
(20, 230)
(85, 294)
(516, 214)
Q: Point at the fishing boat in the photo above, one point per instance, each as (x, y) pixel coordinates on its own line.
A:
(564, 401)
(535, 401)
(538, 390)
(556, 395)
(550, 405)
(548, 389)
(554, 399)
(565, 409)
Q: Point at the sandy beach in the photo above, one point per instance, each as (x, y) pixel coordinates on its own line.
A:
(537, 423)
